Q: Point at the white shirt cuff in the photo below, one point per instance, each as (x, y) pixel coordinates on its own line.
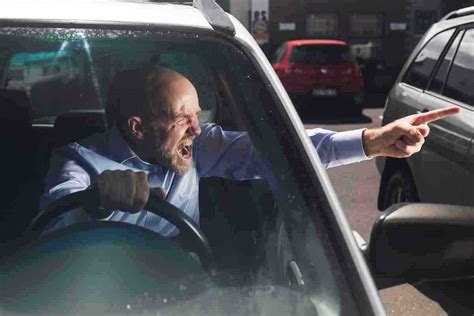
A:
(350, 147)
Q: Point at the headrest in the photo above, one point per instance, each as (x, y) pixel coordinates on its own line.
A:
(74, 125)
(15, 107)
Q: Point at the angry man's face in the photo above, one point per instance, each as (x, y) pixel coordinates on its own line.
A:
(170, 135)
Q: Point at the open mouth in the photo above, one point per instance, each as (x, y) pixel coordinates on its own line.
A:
(185, 149)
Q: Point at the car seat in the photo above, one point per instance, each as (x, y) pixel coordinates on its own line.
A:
(18, 142)
(74, 125)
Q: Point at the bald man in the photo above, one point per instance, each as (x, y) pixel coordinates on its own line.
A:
(156, 141)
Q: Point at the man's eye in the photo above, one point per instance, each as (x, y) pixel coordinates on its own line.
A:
(180, 121)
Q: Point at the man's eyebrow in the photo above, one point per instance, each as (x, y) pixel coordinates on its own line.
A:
(182, 113)
(178, 115)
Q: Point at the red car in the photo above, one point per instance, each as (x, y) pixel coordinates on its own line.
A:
(320, 68)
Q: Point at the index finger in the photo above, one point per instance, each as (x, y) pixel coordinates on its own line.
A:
(434, 115)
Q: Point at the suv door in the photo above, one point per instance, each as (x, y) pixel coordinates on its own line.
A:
(468, 191)
(404, 96)
(444, 167)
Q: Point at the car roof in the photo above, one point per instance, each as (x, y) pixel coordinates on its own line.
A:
(459, 13)
(103, 11)
(124, 13)
(445, 24)
(315, 42)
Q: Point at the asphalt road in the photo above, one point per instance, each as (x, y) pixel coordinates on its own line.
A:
(357, 187)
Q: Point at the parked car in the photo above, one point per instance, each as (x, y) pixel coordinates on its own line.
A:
(439, 73)
(289, 250)
(315, 69)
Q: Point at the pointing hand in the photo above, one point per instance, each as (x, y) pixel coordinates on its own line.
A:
(403, 137)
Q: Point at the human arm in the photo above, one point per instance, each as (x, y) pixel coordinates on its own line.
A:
(118, 186)
(400, 139)
(226, 154)
(338, 148)
(231, 154)
(403, 137)
(65, 176)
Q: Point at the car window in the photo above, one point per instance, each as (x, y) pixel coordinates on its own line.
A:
(321, 54)
(424, 63)
(460, 83)
(75, 74)
(193, 67)
(437, 82)
(255, 225)
(52, 80)
(296, 231)
(279, 54)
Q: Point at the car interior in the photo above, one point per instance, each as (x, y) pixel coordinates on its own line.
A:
(40, 116)
(54, 91)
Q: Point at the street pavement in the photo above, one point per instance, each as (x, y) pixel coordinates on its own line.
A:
(357, 187)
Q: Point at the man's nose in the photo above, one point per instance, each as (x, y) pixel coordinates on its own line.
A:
(195, 128)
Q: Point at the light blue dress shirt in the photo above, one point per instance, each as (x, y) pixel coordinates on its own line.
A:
(215, 153)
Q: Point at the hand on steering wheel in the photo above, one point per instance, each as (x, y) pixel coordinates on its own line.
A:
(191, 237)
(125, 190)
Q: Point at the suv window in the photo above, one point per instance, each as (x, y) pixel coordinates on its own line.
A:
(437, 82)
(321, 54)
(423, 65)
(460, 83)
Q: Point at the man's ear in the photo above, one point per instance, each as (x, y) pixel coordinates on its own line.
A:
(136, 127)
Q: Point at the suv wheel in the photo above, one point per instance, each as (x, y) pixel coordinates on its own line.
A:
(400, 188)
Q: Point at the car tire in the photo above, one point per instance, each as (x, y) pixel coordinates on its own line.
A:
(400, 189)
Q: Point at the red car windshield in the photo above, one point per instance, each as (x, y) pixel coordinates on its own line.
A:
(321, 54)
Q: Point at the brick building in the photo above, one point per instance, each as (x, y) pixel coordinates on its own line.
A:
(378, 29)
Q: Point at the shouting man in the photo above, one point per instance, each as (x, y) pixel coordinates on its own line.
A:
(156, 141)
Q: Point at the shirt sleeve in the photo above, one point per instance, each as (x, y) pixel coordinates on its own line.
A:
(65, 176)
(338, 148)
(227, 154)
(231, 154)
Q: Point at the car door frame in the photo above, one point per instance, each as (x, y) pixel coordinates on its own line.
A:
(319, 189)
(457, 130)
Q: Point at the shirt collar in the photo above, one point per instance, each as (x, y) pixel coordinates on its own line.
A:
(121, 152)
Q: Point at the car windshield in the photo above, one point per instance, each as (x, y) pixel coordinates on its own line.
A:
(64, 70)
(321, 54)
(271, 244)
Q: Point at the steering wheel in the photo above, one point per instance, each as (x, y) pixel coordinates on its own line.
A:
(191, 237)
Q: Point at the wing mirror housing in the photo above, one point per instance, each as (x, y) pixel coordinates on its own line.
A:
(418, 242)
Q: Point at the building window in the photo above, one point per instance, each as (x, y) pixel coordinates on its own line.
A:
(322, 25)
(365, 25)
(423, 20)
(366, 49)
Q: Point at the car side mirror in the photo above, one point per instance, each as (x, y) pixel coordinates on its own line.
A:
(420, 242)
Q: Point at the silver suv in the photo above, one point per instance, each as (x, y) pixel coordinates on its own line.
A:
(57, 61)
(285, 251)
(439, 73)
